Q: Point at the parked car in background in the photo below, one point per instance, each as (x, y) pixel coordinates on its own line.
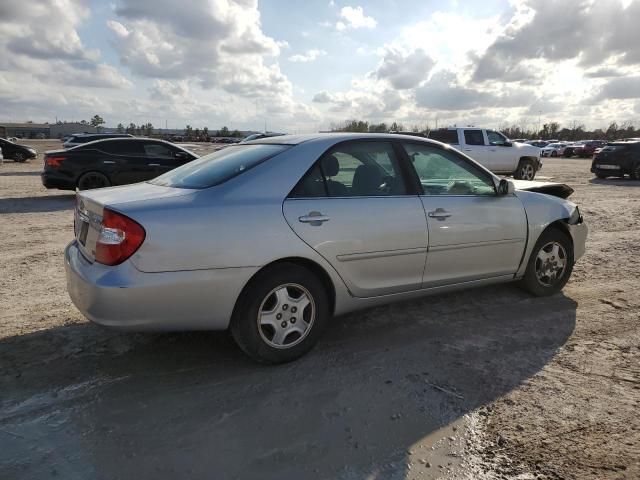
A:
(15, 152)
(587, 148)
(342, 225)
(617, 159)
(113, 161)
(257, 136)
(553, 150)
(492, 150)
(80, 138)
(538, 143)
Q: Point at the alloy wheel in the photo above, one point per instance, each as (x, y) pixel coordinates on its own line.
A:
(527, 172)
(551, 263)
(286, 315)
(93, 180)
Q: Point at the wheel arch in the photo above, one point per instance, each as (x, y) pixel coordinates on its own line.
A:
(314, 267)
(82, 174)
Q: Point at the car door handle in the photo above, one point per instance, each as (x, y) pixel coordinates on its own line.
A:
(314, 218)
(439, 213)
(108, 161)
(154, 164)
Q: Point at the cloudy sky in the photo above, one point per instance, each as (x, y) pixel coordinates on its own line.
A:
(299, 66)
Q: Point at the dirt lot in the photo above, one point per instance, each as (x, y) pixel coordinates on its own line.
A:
(489, 383)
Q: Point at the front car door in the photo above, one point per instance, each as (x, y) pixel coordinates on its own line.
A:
(354, 207)
(474, 233)
(161, 158)
(502, 156)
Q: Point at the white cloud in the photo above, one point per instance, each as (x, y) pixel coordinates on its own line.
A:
(354, 17)
(308, 56)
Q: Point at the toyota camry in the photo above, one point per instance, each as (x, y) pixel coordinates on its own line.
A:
(273, 237)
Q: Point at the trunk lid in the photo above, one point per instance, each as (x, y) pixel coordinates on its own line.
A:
(90, 205)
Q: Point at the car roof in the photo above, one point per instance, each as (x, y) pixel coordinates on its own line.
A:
(336, 137)
(130, 139)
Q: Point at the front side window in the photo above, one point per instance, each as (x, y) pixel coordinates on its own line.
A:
(442, 172)
(355, 169)
(473, 137)
(496, 138)
(218, 167)
(157, 150)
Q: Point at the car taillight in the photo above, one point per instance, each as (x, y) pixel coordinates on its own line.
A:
(119, 238)
(54, 160)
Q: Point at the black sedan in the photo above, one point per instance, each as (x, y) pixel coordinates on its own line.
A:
(19, 153)
(109, 162)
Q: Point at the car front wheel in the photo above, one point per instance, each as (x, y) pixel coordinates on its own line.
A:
(19, 157)
(525, 171)
(281, 314)
(550, 264)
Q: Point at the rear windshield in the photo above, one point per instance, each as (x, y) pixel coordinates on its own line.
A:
(218, 167)
(444, 136)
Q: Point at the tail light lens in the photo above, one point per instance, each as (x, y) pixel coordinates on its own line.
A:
(54, 161)
(120, 237)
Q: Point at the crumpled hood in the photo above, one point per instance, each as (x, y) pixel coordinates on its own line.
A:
(555, 189)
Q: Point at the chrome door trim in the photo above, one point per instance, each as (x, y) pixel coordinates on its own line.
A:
(441, 248)
(385, 253)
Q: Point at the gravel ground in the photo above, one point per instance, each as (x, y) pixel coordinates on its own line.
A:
(483, 384)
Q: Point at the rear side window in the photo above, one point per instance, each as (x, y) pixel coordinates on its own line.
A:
(473, 137)
(121, 147)
(444, 136)
(218, 167)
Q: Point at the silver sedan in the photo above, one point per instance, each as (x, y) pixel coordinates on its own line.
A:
(272, 238)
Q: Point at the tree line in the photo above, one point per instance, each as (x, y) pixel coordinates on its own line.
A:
(553, 130)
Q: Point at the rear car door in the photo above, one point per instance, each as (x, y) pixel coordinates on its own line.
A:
(128, 161)
(473, 232)
(475, 146)
(355, 209)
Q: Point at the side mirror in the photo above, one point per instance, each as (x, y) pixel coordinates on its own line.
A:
(506, 187)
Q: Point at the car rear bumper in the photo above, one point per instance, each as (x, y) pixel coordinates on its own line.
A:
(50, 180)
(125, 298)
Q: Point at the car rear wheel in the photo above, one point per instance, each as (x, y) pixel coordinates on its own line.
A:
(550, 264)
(19, 157)
(601, 176)
(635, 171)
(281, 314)
(525, 171)
(554, 154)
(91, 180)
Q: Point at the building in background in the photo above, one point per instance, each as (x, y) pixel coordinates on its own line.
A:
(60, 130)
(27, 130)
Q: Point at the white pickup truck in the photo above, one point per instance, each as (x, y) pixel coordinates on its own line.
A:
(493, 150)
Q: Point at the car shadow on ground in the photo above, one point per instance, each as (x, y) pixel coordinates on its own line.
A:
(616, 182)
(45, 203)
(19, 174)
(83, 402)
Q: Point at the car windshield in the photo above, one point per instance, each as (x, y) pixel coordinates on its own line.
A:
(218, 167)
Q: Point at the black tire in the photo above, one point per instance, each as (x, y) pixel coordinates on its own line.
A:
(531, 281)
(19, 157)
(258, 296)
(554, 154)
(91, 180)
(526, 170)
(601, 176)
(635, 171)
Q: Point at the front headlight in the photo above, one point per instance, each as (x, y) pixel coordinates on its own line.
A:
(576, 217)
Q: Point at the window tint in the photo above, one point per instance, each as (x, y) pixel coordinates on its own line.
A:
(496, 138)
(355, 169)
(443, 172)
(218, 167)
(473, 137)
(121, 147)
(444, 136)
(158, 150)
